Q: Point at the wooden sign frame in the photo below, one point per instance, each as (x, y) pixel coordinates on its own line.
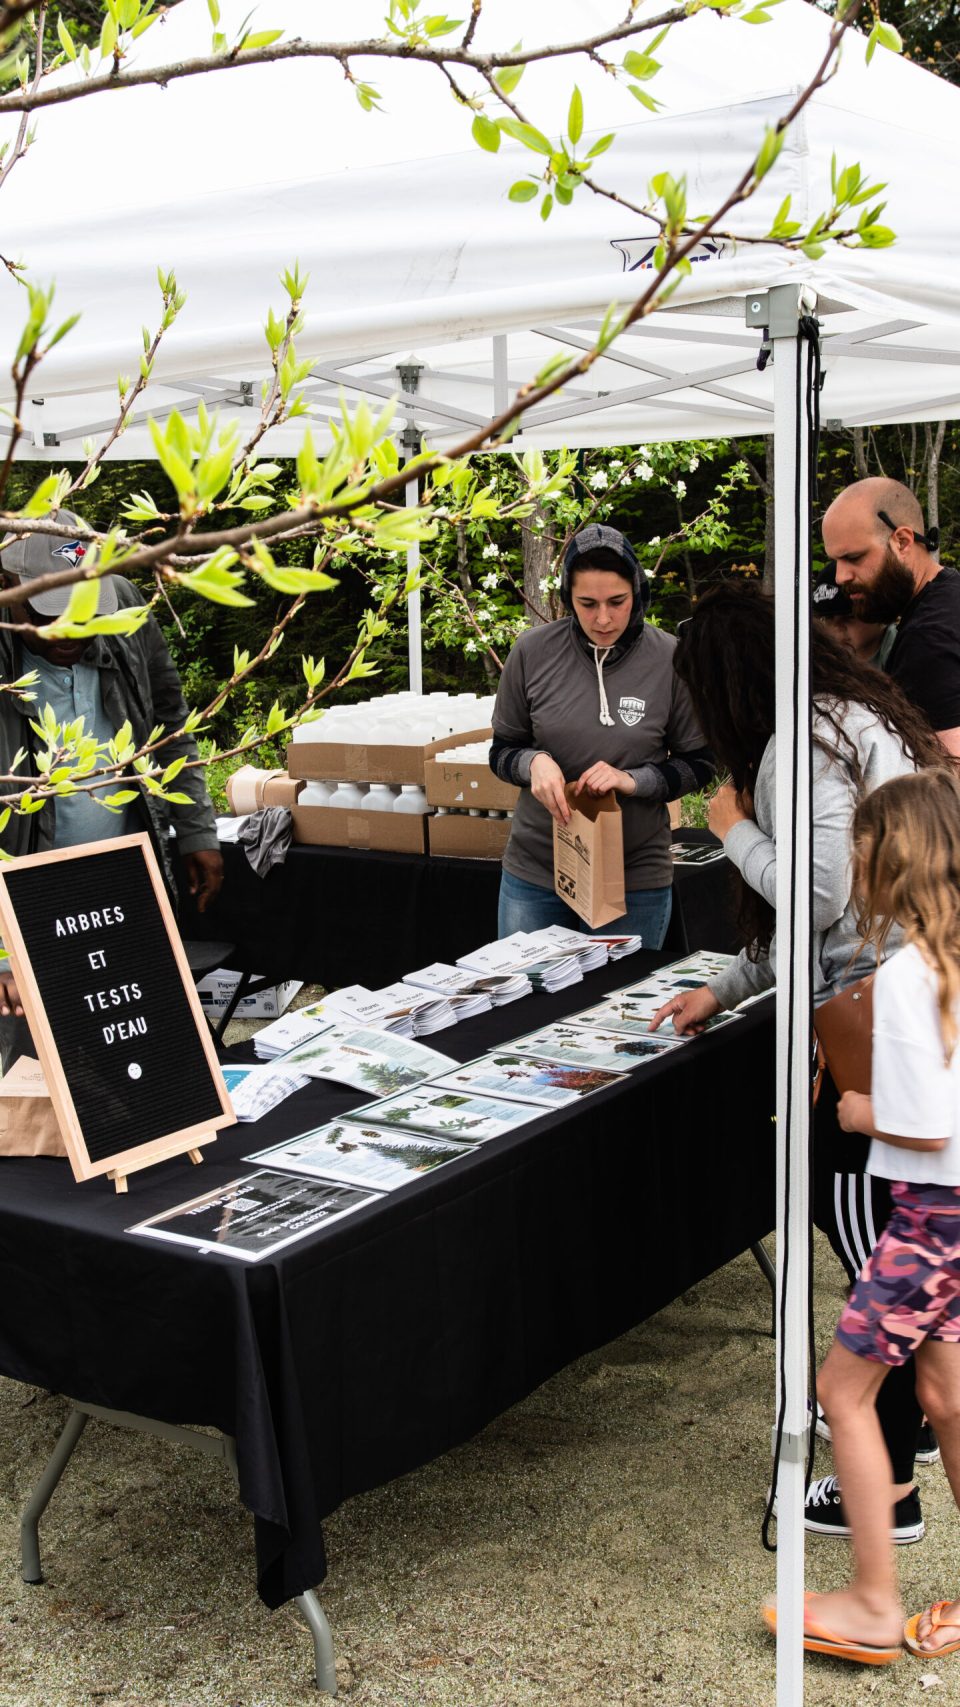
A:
(187, 1140)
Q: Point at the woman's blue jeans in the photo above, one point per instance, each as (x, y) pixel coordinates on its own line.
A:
(526, 907)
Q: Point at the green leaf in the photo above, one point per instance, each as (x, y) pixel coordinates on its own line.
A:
(649, 101)
(546, 207)
(641, 66)
(65, 38)
(527, 134)
(877, 237)
(523, 191)
(770, 149)
(508, 77)
(84, 601)
(884, 35)
(601, 147)
(259, 38)
(486, 133)
(575, 117)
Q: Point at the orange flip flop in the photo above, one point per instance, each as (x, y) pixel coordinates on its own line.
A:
(936, 1623)
(818, 1640)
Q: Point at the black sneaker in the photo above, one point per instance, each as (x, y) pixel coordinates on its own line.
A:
(823, 1513)
(928, 1449)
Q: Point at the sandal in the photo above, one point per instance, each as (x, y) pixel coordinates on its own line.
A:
(936, 1623)
(818, 1640)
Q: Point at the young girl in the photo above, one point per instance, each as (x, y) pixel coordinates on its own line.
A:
(907, 1298)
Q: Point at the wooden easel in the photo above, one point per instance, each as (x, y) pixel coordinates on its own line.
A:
(119, 1175)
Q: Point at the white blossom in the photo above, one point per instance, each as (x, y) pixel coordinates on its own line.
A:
(693, 465)
(491, 550)
(655, 540)
(645, 472)
(615, 464)
(649, 574)
(544, 586)
(471, 646)
(599, 479)
(681, 488)
(539, 523)
(490, 581)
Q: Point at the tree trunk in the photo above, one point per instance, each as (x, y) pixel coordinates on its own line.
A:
(934, 448)
(860, 453)
(539, 548)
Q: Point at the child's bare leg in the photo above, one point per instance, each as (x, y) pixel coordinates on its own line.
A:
(870, 1607)
(938, 1389)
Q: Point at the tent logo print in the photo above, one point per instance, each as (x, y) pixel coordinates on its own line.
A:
(73, 550)
(631, 710)
(638, 252)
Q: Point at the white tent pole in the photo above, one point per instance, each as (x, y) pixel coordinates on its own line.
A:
(793, 836)
(409, 375)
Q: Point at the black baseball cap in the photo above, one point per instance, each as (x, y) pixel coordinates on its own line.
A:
(829, 598)
(36, 554)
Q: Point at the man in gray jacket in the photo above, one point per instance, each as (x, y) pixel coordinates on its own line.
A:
(108, 680)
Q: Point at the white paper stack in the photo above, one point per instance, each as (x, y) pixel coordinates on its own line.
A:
(290, 1030)
(254, 1091)
(467, 994)
(618, 947)
(426, 1011)
(499, 959)
(591, 952)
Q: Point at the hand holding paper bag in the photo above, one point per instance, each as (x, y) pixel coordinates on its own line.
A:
(588, 858)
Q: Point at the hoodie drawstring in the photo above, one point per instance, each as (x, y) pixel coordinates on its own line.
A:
(605, 717)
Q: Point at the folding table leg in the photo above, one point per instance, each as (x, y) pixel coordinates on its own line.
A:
(323, 1655)
(35, 1507)
(759, 1252)
(322, 1640)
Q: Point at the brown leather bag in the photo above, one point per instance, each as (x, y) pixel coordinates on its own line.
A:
(844, 1029)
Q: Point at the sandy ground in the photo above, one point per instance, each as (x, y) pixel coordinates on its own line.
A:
(596, 1545)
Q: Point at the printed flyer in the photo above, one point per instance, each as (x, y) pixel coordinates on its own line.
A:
(362, 1154)
(255, 1216)
(503, 1073)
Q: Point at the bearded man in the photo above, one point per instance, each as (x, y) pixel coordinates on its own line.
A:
(884, 557)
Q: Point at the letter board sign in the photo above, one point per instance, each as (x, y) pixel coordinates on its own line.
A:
(128, 1057)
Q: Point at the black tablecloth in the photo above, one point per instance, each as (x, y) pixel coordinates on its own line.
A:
(337, 916)
(372, 1346)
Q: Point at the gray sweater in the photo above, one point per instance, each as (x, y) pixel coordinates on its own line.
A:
(752, 848)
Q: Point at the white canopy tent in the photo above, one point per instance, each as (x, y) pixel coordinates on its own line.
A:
(417, 260)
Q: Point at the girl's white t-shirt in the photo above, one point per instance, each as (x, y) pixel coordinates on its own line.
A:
(916, 1094)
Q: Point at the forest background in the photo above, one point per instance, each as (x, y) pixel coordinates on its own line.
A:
(696, 511)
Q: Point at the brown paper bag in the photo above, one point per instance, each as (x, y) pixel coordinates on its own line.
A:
(588, 858)
(28, 1125)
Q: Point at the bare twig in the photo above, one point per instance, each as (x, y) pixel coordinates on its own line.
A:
(22, 140)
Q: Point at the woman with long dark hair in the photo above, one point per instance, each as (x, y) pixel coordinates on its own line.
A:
(864, 732)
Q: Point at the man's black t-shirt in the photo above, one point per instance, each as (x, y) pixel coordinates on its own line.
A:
(925, 659)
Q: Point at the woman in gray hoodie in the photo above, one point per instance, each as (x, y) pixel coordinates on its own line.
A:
(864, 732)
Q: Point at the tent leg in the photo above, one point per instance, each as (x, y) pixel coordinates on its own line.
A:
(782, 311)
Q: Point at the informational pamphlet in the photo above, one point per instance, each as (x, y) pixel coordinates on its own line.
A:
(586, 1046)
(362, 1154)
(256, 1216)
(377, 1062)
(628, 1013)
(460, 1115)
(289, 1030)
(255, 1090)
(504, 1073)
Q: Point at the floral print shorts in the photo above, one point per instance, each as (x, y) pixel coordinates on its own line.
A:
(909, 1290)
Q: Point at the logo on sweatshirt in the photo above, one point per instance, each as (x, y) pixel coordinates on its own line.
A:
(631, 710)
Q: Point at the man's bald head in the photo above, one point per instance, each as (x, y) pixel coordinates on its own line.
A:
(866, 498)
(874, 533)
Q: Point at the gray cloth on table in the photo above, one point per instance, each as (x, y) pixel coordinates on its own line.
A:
(266, 836)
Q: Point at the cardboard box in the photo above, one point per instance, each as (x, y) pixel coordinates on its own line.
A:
(453, 783)
(457, 834)
(216, 992)
(340, 827)
(341, 761)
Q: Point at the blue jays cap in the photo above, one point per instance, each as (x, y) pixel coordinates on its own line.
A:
(36, 554)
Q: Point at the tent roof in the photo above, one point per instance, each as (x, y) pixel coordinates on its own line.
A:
(421, 258)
